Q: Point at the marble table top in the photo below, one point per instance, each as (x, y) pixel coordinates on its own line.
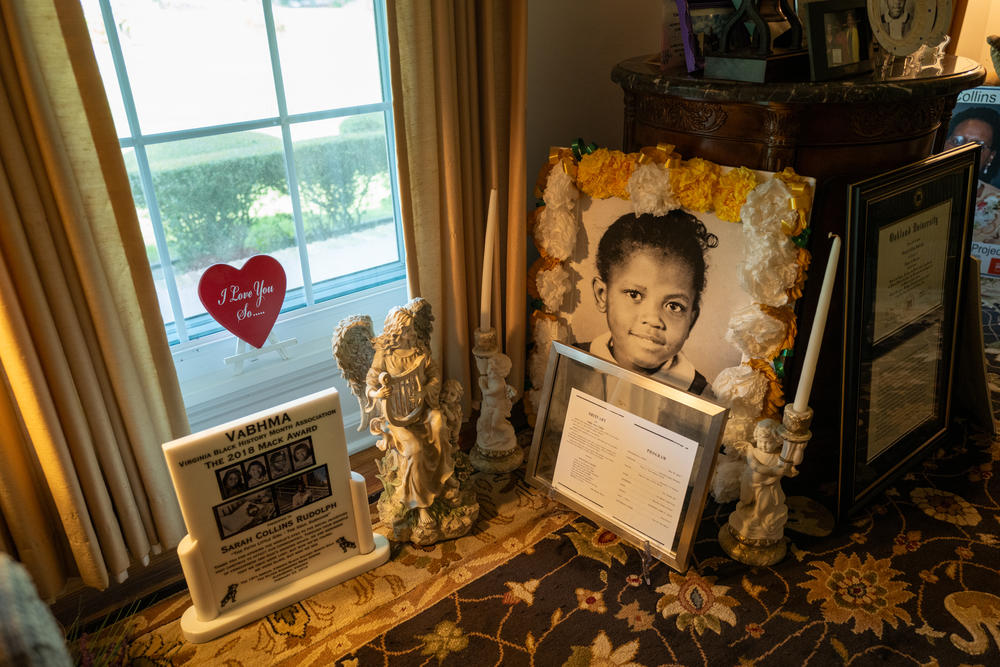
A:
(643, 74)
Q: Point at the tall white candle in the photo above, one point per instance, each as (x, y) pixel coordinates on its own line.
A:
(487, 283)
(819, 324)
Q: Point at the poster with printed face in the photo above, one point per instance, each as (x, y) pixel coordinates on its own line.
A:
(267, 498)
(976, 119)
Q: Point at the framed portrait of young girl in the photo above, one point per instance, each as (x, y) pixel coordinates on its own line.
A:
(655, 293)
(683, 271)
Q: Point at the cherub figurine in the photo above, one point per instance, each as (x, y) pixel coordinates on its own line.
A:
(497, 396)
(496, 448)
(761, 513)
(423, 500)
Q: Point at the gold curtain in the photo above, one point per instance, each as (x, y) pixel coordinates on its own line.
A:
(458, 82)
(89, 390)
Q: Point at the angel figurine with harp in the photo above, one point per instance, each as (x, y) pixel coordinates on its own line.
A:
(398, 385)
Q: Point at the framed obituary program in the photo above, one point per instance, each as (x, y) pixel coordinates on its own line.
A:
(631, 453)
(907, 243)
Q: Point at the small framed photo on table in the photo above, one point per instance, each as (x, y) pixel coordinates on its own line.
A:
(702, 23)
(839, 37)
(629, 452)
(906, 247)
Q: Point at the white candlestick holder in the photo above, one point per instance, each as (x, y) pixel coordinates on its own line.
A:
(496, 448)
(755, 531)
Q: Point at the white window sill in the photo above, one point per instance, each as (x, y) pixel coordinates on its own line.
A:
(213, 394)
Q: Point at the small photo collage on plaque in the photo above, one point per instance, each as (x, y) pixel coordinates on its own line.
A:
(269, 485)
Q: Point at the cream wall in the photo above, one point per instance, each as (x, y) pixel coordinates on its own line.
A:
(572, 47)
(574, 44)
(982, 18)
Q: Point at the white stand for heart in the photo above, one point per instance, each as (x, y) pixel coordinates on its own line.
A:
(245, 354)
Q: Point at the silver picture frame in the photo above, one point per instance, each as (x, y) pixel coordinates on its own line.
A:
(693, 418)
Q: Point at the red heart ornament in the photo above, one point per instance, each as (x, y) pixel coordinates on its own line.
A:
(245, 301)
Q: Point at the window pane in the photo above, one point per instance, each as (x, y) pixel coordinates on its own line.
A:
(329, 56)
(148, 238)
(346, 198)
(223, 199)
(195, 64)
(102, 51)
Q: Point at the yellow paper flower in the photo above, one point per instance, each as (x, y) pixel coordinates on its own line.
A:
(802, 261)
(563, 157)
(694, 183)
(800, 200)
(734, 186)
(605, 173)
(789, 176)
(785, 314)
(775, 394)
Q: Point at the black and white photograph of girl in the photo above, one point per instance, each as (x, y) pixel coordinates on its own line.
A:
(655, 294)
(231, 481)
(256, 472)
(302, 454)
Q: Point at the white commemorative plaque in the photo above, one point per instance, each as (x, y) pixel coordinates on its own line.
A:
(273, 513)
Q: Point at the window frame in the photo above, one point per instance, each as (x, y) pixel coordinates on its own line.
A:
(212, 392)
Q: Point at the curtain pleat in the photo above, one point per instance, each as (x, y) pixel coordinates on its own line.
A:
(458, 79)
(26, 514)
(111, 293)
(514, 296)
(90, 392)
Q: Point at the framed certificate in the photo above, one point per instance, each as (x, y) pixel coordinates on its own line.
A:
(631, 453)
(906, 247)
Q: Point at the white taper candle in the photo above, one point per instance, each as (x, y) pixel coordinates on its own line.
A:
(487, 283)
(816, 334)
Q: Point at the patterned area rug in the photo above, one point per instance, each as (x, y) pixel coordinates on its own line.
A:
(318, 630)
(914, 580)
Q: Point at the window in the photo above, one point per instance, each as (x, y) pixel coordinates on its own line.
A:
(248, 127)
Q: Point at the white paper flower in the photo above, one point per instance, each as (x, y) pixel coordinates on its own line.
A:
(650, 191)
(531, 397)
(770, 265)
(560, 191)
(547, 330)
(552, 286)
(767, 209)
(537, 362)
(739, 429)
(544, 331)
(742, 389)
(755, 333)
(555, 232)
(769, 286)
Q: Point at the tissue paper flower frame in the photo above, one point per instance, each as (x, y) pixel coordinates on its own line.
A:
(753, 279)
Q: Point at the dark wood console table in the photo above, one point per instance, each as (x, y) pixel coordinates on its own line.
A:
(857, 127)
(838, 132)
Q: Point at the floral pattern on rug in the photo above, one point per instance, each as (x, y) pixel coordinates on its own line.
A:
(322, 628)
(912, 580)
